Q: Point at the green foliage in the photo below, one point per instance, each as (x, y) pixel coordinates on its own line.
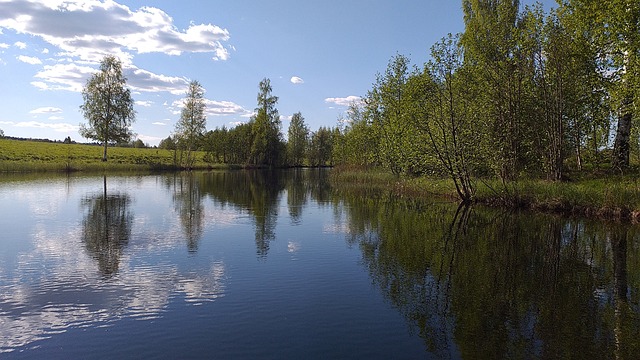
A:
(519, 94)
(167, 144)
(361, 141)
(445, 117)
(320, 147)
(297, 139)
(107, 105)
(387, 102)
(267, 147)
(612, 30)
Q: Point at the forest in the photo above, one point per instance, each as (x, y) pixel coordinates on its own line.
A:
(523, 92)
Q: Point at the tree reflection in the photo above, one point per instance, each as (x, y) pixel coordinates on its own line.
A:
(255, 191)
(486, 284)
(187, 198)
(106, 227)
(297, 185)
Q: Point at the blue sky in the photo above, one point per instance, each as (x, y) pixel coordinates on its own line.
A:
(318, 55)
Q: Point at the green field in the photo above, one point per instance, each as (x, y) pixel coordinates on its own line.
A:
(35, 156)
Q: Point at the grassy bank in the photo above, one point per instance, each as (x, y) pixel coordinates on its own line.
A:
(611, 198)
(33, 156)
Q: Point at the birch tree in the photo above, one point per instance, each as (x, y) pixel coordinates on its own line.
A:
(108, 106)
(193, 120)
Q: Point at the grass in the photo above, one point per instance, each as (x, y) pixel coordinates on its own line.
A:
(611, 197)
(33, 156)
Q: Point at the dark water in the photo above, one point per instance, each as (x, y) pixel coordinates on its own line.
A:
(260, 265)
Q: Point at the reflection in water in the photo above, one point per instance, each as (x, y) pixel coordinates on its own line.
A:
(469, 282)
(188, 200)
(106, 227)
(484, 284)
(256, 191)
(297, 193)
(54, 287)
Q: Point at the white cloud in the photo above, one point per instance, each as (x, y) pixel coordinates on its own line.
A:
(345, 101)
(145, 103)
(93, 29)
(4, 45)
(69, 77)
(59, 127)
(219, 108)
(29, 60)
(286, 118)
(40, 85)
(20, 45)
(46, 110)
(144, 80)
(73, 77)
(216, 108)
(55, 118)
(296, 80)
(159, 123)
(45, 51)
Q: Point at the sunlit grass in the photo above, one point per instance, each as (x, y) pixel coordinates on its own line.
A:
(613, 195)
(23, 156)
(608, 196)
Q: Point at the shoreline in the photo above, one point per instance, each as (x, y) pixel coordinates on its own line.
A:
(614, 198)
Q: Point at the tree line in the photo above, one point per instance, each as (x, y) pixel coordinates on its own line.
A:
(108, 107)
(259, 142)
(518, 94)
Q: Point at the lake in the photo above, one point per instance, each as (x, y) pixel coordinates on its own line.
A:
(278, 265)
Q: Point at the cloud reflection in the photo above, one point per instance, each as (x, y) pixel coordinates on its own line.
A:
(61, 297)
(55, 285)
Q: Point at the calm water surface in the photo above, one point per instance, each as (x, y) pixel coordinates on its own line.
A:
(253, 264)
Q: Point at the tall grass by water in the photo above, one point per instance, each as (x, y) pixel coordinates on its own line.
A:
(611, 197)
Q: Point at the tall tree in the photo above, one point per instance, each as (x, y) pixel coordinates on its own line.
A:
(320, 147)
(613, 27)
(193, 120)
(361, 142)
(443, 114)
(389, 98)
(490, 42)
(108, 106)
(240, 142)
(298, 136)
(267, 146)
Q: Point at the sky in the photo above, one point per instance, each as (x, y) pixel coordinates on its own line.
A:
(319, 56)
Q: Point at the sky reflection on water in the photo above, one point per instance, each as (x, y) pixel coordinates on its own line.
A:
(65, 280)
(259, 264)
